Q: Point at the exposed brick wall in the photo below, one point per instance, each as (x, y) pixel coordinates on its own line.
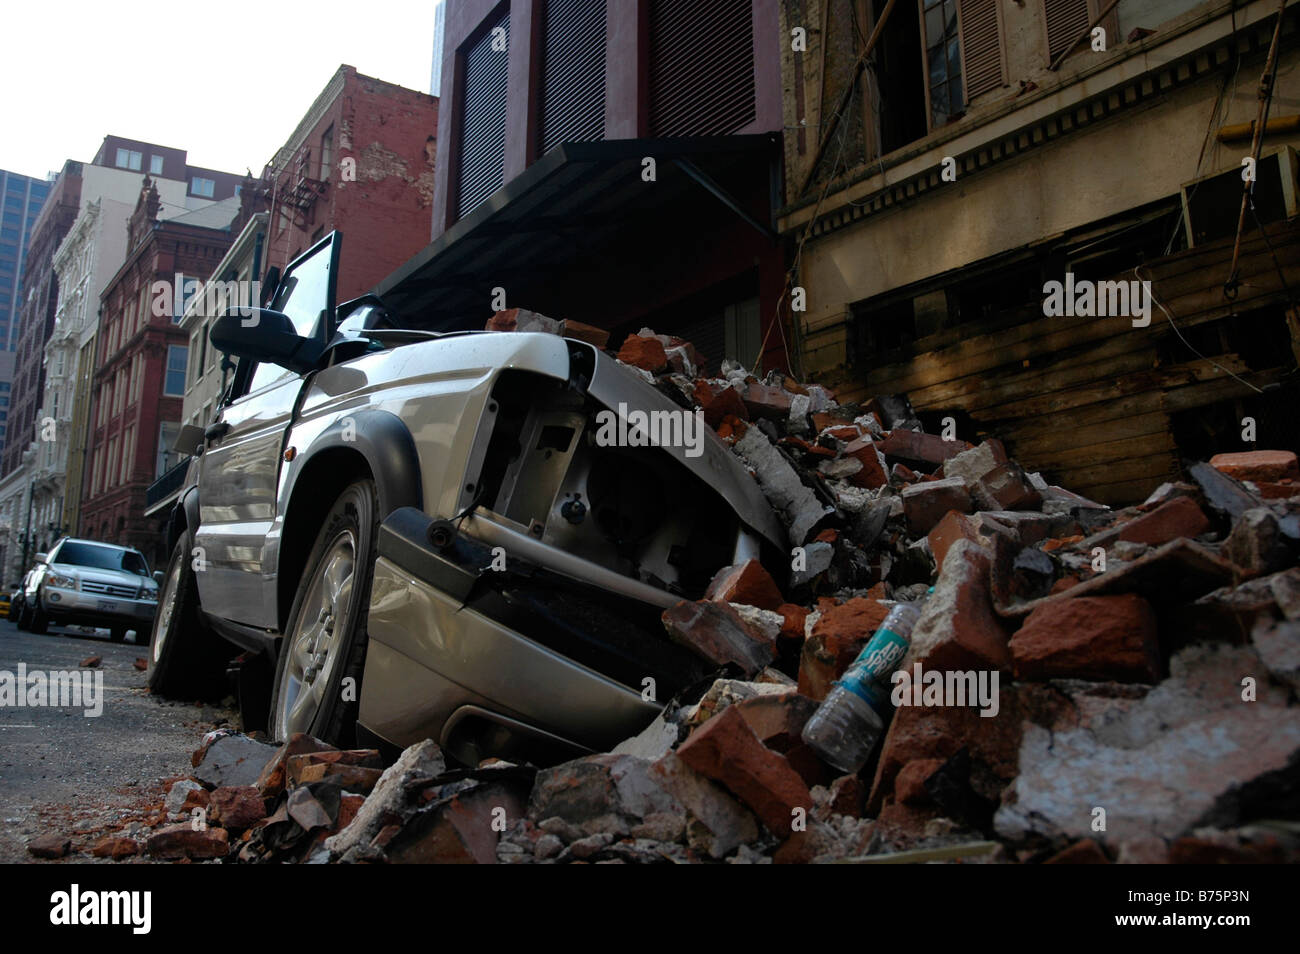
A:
(386, 213)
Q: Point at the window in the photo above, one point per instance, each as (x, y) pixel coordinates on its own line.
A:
(155, 165)
(483, 118)
(166, 458)
(129, 159)
(202, 187)
(326, 153)
(943, 61)
(176, 361)
(128, 449)
(572, 101)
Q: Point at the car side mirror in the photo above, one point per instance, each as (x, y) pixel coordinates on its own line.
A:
(265, 336)
(158, 577)
(41, 557)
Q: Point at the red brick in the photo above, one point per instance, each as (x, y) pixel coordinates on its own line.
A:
(762, 400)
(182, 841)
(1267, 465)
(718, 403)
(1006, 487)
(793, 619)
(1180, 517)
(909, 786)
(958, 628)
(953, 527)
(746, 583)
(925, 504)
(645, 353)
(901, 443)
(116, 847)
(837, 638)
(726, 750)
(236, 806)
(872, 474)
(717, 633)
(1089, 637)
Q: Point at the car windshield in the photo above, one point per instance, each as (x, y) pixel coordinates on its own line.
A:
(101, 558)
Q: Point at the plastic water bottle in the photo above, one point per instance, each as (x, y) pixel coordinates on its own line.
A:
(845, 728)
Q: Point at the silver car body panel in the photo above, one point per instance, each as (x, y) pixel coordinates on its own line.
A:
(420, 638)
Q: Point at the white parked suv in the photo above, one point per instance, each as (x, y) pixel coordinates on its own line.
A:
(87, 583)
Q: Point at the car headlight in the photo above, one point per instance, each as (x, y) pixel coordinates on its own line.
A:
(60, 581)
(149, 593)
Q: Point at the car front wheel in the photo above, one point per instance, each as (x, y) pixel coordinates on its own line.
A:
(186, 659)
(322, 653)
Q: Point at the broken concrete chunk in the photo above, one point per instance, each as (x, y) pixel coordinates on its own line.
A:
(233, 760)
(799, 508)
(393, 797)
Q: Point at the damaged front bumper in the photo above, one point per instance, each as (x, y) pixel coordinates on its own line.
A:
(514, 661)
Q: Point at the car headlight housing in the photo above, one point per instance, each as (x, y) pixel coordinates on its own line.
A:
(60, 581)
(149, 593)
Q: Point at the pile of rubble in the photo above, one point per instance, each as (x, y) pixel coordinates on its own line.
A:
(1147, 663)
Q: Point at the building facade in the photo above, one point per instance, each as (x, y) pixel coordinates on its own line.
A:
(115, 174)
(139, 380)
(992, 147)
(360, 162)
(609, 162)
(21, 198)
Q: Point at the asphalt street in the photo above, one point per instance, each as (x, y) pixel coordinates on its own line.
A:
(62, 770)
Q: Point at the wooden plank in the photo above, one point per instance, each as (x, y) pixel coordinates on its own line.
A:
(1124, 493)
(1146, 467)
(1069, 454)
(1083, 366)
(1157, 378)
(1023, 440)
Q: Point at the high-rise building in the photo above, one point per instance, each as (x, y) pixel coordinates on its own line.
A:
(21, 198)
(439, 21)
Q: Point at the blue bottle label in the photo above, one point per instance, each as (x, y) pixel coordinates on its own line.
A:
(869, 673)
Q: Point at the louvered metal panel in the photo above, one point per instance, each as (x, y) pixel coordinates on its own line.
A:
(983, 61)
(573, 73)
(1065, 21)
(701, 67)
(483, 119)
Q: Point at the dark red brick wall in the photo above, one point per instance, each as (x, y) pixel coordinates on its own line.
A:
(116, 512)
(385, 215)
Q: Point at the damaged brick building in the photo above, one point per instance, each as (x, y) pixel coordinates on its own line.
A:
(360, 161)
(985, 148)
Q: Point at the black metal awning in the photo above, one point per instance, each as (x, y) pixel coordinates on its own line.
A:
(570, 222)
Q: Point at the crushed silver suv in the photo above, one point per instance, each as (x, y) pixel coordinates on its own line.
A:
(88, 583)
(422, 537)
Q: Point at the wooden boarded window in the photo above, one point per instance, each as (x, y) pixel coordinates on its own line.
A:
(701, 67)
(483, 117)
(983, 55)
(573, 73)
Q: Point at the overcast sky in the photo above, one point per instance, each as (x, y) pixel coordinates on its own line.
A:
(227, 80)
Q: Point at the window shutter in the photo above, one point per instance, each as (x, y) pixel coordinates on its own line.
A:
(983, 57)
(1065, 21)
(483, 120)
(701, 67)
(573, 73)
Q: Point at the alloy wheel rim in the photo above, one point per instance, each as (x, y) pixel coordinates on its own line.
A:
(166, 608)
(312, 645)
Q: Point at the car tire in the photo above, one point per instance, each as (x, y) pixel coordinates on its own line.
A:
(24, 617)
(186, 658)
(324, 642)
(38, 623)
